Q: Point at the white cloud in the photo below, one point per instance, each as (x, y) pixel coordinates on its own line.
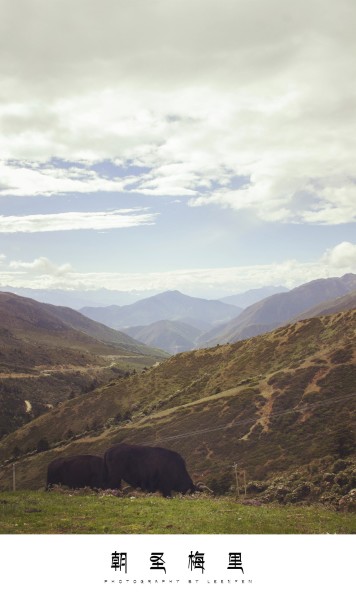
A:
(342, 256)
(198, 92)
(32, 179)
(70, 221)
(41, 265)
(42, 273)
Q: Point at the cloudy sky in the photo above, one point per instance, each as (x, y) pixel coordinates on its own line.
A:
(202, 145)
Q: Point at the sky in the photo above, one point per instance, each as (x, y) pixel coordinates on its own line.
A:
(204, 145)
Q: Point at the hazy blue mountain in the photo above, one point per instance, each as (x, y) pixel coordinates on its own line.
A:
(171, 336)
(172, 306)
(278, 309)
(76, 299)
(330, 307)
(245, 299)
(103, 297)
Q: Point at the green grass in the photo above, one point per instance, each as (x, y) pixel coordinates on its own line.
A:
(41, 512)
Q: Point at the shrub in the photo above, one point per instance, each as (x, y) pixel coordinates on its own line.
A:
(336, 490)
(42, 445)
(281, 492)
(313, 468)
(255, 487)
(221, 485)
(342, 355)
(344, 442)
(341, 479)
(16, 452)
(302, 491)
(348, 502)
(261, 472)
(339, 465)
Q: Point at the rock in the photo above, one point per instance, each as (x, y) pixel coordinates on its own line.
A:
(348, 503)
(251, 502)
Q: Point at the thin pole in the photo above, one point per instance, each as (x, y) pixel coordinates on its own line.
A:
(245, 482)
(237, 491)
(13, 478)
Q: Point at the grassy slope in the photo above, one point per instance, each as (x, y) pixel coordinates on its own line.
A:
(48, 354)
(42, 333)
(38, 512)
(270, 404)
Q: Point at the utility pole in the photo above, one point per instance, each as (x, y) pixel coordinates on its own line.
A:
(13, 477)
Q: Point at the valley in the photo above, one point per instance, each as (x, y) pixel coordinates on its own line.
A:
(267, 404)
(178, 323)
(49, 354)
(277, 409)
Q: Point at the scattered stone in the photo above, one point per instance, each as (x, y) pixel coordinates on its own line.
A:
(251, 502)
(348, 502)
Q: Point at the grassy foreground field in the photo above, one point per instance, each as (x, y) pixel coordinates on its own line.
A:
(41, 512)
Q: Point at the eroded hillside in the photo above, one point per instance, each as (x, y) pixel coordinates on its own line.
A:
(270, 404)
(49, 354)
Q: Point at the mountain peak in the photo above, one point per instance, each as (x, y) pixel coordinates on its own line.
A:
(172, 293)
(171, 306)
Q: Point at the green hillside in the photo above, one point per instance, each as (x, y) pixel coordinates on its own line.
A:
(82, 511)
(49, 354)
(280, 406)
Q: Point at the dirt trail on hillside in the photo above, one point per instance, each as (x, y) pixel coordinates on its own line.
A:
(48, 372)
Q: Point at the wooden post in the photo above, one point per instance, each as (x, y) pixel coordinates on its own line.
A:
(237, 491)
(13, 478)
(245, 482)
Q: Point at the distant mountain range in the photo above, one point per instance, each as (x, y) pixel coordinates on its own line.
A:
(176, 323)
(172, 306)
(76, 299)
(251, 296)
(279, 309)
(172, 336)
(347, 302)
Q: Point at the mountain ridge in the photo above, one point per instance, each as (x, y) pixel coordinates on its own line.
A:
(272, 312)
(245, 299)
(347, 302)
(171, 336)
(49, 353)
(171, 305)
